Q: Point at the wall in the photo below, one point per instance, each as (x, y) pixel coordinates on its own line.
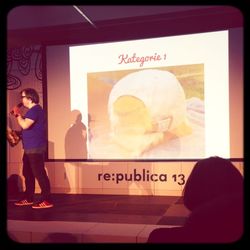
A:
(133, 178)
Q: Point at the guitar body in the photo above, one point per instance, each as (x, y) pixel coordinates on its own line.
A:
(13, 137)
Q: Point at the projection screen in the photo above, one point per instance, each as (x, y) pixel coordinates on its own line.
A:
(149, 99)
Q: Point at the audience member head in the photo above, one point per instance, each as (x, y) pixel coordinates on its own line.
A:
(211, 178)
(214, 194)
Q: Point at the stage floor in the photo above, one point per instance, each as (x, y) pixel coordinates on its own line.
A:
(126, 209)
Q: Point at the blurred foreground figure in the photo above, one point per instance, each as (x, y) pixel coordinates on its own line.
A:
(214, 195)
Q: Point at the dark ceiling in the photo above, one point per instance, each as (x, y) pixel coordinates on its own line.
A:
(24, 17)
(60, 24)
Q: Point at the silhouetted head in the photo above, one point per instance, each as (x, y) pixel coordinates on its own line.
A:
(75, 116)
(211, 178)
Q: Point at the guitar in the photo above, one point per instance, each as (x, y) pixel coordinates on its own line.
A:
(13, 137)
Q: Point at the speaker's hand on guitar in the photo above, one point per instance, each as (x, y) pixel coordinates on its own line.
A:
(12, 137)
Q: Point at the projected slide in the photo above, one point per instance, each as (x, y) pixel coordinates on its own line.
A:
(159, 98)
(147, 113)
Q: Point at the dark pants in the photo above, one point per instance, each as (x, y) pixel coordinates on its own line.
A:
(34, 168)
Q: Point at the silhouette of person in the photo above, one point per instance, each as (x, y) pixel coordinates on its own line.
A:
(214, 195)
(76, 138)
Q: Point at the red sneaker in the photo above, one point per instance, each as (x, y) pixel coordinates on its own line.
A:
(42, 204)
(23, 202)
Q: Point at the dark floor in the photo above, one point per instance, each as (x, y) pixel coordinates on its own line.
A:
(102, 208)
